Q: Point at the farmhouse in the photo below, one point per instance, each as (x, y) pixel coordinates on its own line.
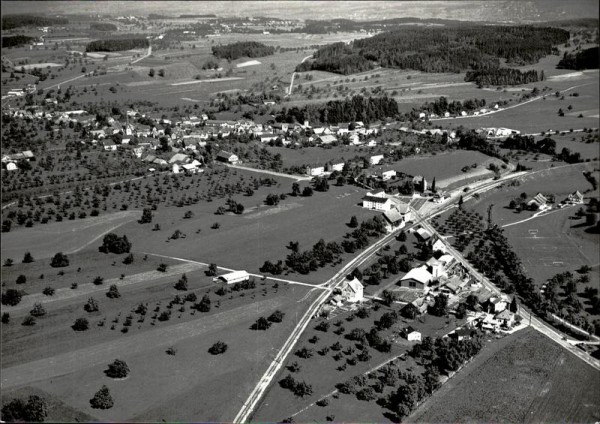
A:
(24, 155)
(397, 216)
(11, 166)
(227, 157)
(575, 198)
(109, 146)
(377, 201)
(411, 334)
(352, 291)
(337, 167)
(388, 175)
(316, 171)
(233, 277)
(423, 234)
(327, 139)
(376, 160)
(497, 304)
(539, 202)
(417, 278)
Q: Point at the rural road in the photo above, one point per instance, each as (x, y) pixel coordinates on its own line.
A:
(145, 56)
(294, 76)
(277, 174)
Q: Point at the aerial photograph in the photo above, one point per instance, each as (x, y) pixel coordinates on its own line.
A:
(300, 211)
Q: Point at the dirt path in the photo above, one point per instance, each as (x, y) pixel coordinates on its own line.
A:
(277, 174)
(73, 361)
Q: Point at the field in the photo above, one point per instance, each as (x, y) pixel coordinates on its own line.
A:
(524, 378)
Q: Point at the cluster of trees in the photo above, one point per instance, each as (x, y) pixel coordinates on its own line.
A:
(115, 244)
(358, 108)
(17, 21)
(447, 49)
(35, 409)
(16, 40)
(528, 143)
(320, 255)
(218, 348)
(470, 140)
(503, 76)
(103, 26)
(569, 157)
(117, 44)
(585, 59)
(299, 388)
(243, 48)
(454, 108)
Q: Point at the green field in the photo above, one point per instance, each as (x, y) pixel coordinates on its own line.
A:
(524, 378)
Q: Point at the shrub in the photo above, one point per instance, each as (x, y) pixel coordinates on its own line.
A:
(102, 399)
(322, 326)
(162, 268)
(212, 270)
(218, 348)
(21, 279)
(80, 324)
(48, 291)
(27, 258)
(261, 324)
(171, 351)
(128, 259)
(98, 281)
(182, 284)
(5, 318)
(305, 353)
(91, 305)
(28, 320)
(118, 369)
(276, 316)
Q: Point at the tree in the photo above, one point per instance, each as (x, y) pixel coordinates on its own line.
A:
(118, 369)
(38, 310)
(218, 348)
(8, 262)
(5, 318)
(440, 307)
(276, 316)
(353, 222)
(98, 281)
(34, 410)
(59, 260)
(261, 324)
(80, 324)
(307, 192)
(11, 297)
(113, 292)
(433, 185)
(115, 244)
(295, 189)
(102, 399)
(91, 305)
(6, 225)
(21, 279)
(27, 258)
(151, 73)
(146, 216)
(514, 306)
(182, 284)
(128, 259)
(161, 72)
(212, 270)
(460, 202)
(461, 311)
(272, 199)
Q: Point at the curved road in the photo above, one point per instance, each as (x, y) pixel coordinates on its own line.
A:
(294, 76)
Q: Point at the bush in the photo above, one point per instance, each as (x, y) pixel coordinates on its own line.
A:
(218, 348)
(80, 324)
(98, 281)
(11, 297)
(102, 399)
(182, 284)
(48, 291)
(171, 351)
(261, 324)
(113, 292)
(276, 316)
(28, 321)
(21, 279)
(59, 260)
(38, 310)
(118, 369)
(162, 268)
(128, 259)
(91, 305)
(27, 258)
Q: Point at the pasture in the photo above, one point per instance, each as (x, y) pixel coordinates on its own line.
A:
(522, 378)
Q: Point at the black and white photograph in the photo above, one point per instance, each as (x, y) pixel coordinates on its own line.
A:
(300, 211)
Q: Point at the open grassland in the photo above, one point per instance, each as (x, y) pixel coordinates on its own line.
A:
(523, 378)
(320, 156)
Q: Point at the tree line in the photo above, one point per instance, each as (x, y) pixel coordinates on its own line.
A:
(116, 44)
(16, 41)
(243, 48)
(585, 59)
(17, 21)
(103, 26)
(430, 49)
(502, 76)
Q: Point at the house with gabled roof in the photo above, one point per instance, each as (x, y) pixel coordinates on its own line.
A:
(411, 334)
(224, 156)
(539, 202)
(417, 278)
(352, 290)
(378, 201)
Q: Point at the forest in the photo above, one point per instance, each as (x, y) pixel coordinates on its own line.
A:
(17, 21)
(16, 40)
(585, 59)
(502, 76)
(243, 48)
(448, 49)
(116, 44)
(358, 108)
(103, 26)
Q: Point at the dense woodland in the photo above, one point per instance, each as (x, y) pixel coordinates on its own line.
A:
(117, 44)
(585, 59)
(243, 48)
(17, 21)
(502, 76)
(358, 108)
(442, 49)
(16, 40)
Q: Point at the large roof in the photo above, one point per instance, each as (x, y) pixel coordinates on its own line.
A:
(419, 274)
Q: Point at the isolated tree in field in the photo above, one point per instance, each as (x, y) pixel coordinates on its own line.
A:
(80, 324)
(21, 279)
(102, 399)
(27, 258)
(272, 199)
(37, 310)
(5, 318)
(307, 192)
(8, 262)
(151, 73)
(182, 284)
(28, 321)
(146, 216)
(118, 369)
(161, 72)
(261, 324)
(162, 267)
(303, 389)
(353, 222)
(460, 202)
(276, 316)
(203, 305)
(212, 270)
(128, 259)
(17, 410)
(98, 281)
(433, 185)
(91, 305)
(59, 260)
(218, 348)
(115, 244)
(11, 297)
(295, 189)
(113, 292)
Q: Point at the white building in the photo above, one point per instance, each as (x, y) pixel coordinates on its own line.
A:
(376, 160)
(378, 201)
(233, 277)
(352, 290)
(388, 175)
